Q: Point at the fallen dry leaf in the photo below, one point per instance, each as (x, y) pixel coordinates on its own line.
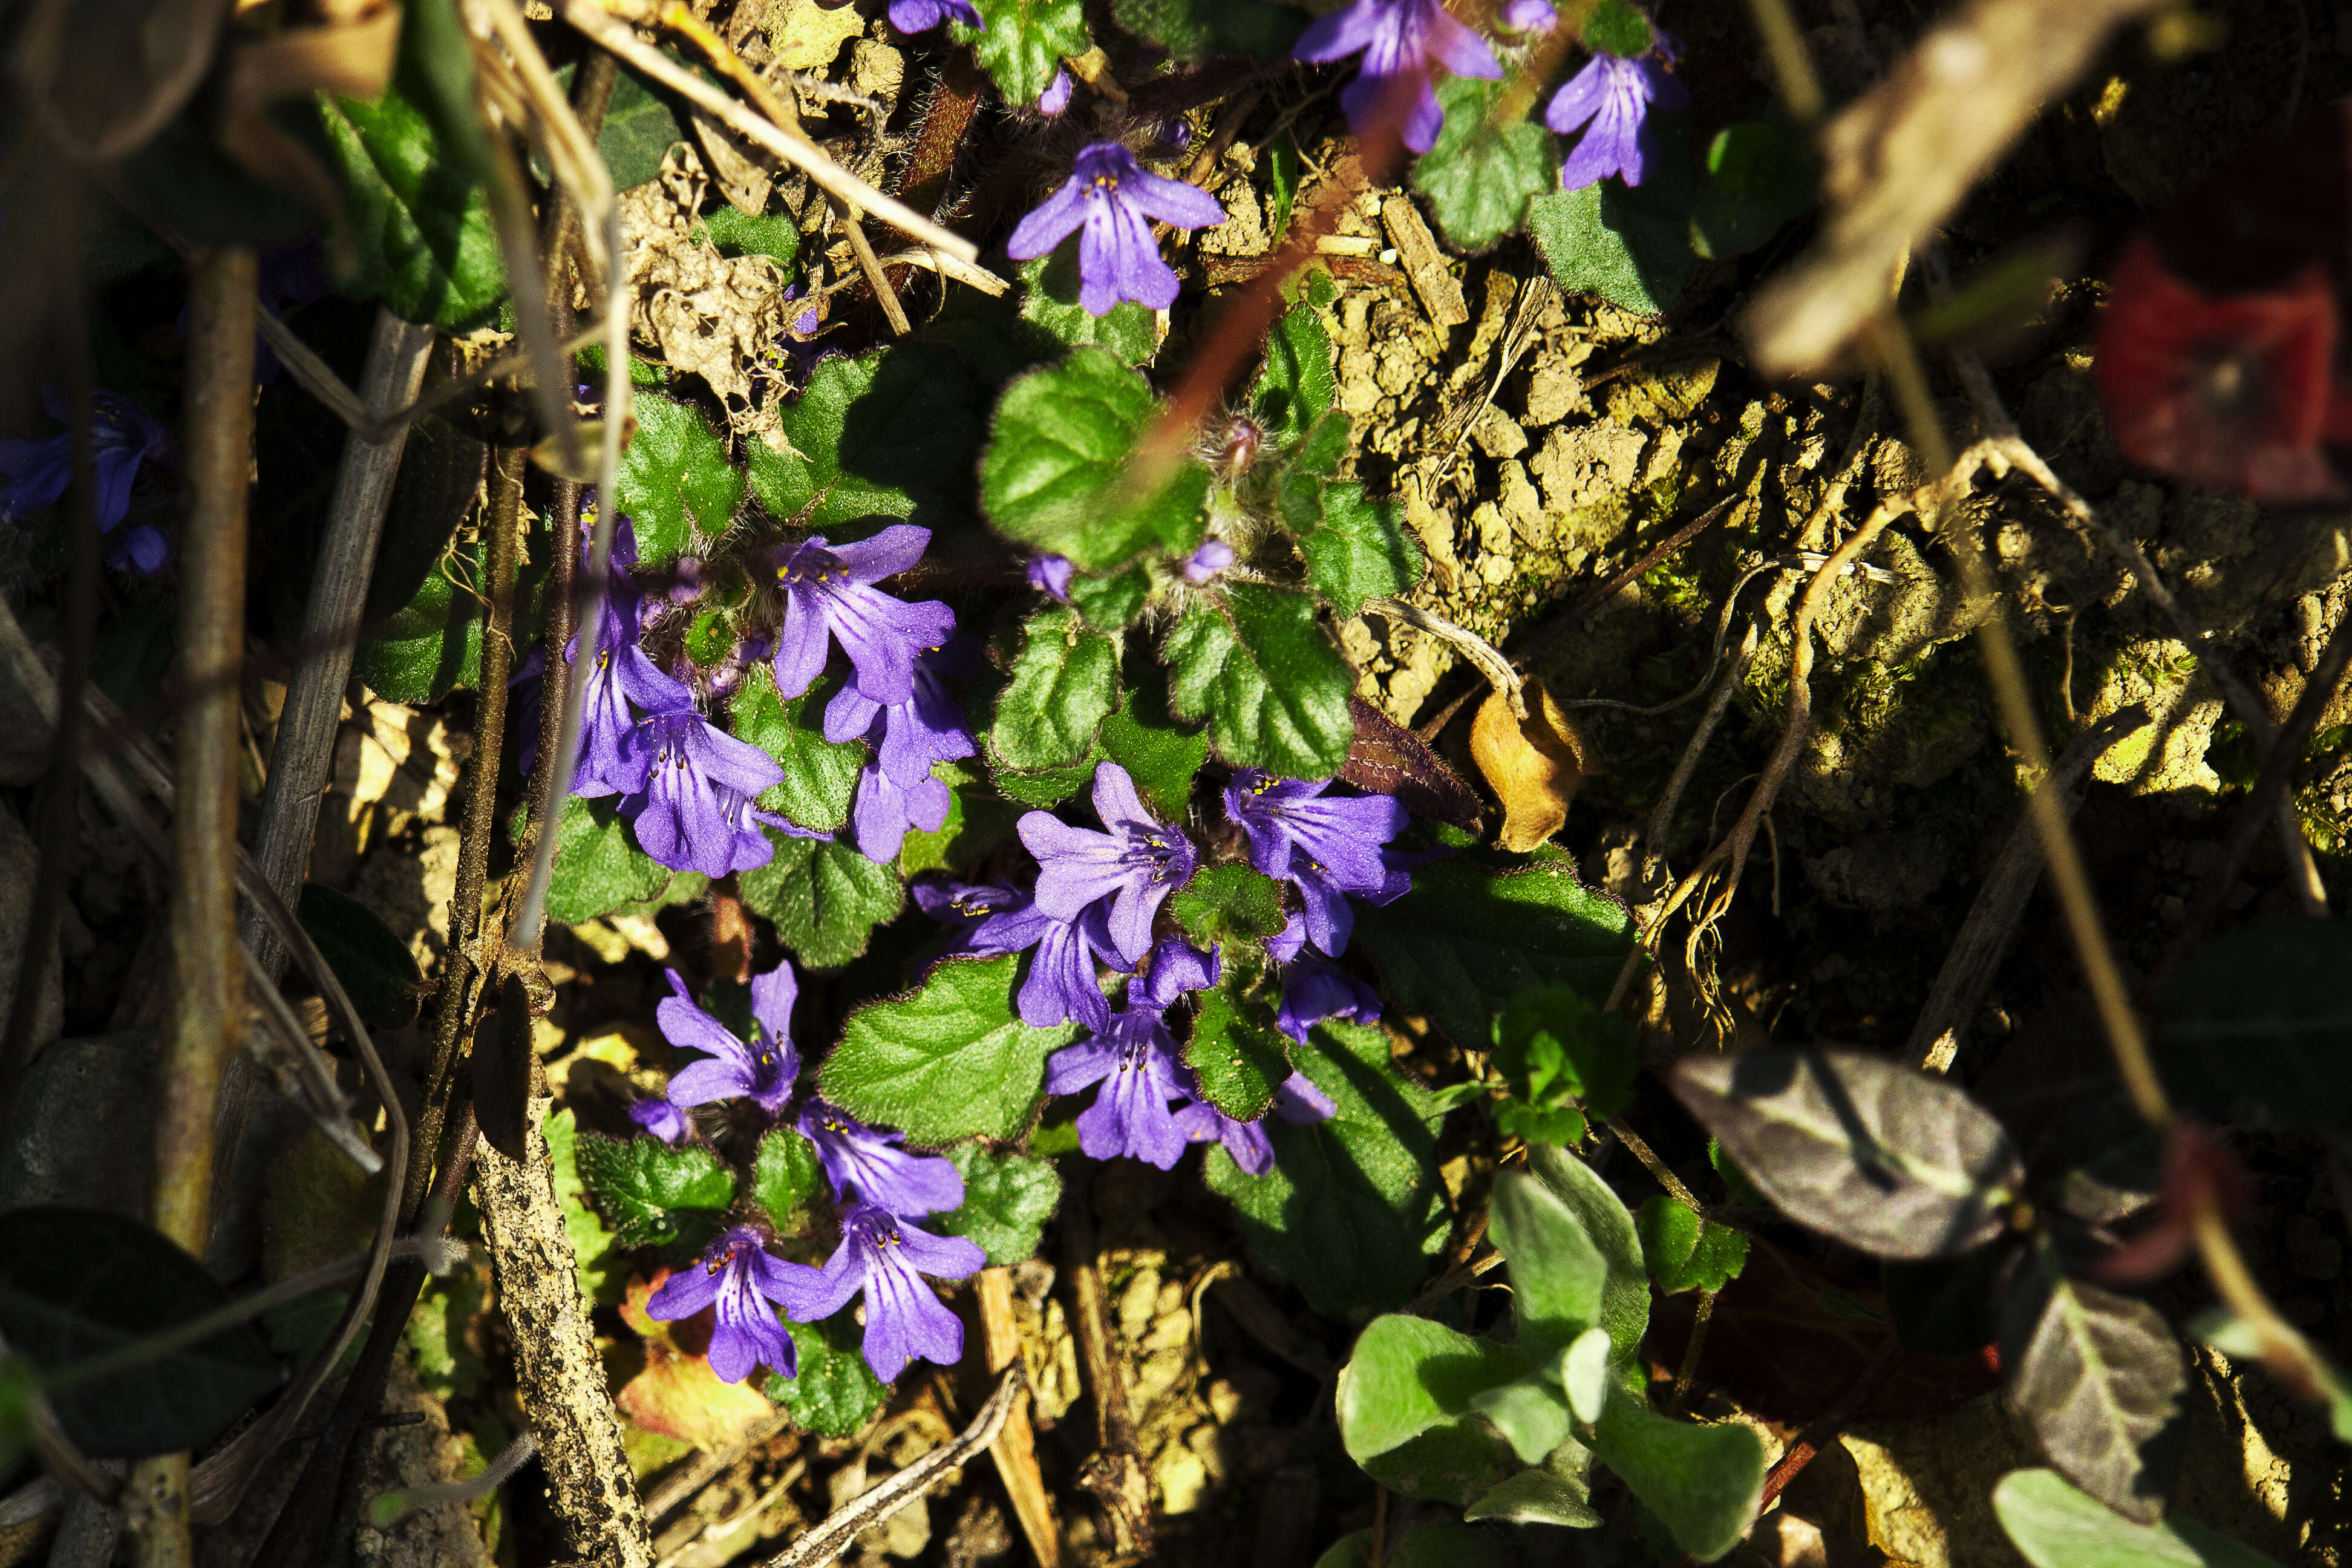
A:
(677, 1394)
(1533, 766)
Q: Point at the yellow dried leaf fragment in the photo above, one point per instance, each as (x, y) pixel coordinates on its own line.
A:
(1532, 764)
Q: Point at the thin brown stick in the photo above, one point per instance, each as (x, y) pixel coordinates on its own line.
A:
(1115, 1473)
(1688, 1374)
(875, 279)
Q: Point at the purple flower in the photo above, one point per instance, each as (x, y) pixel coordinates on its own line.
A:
(922, 15)
(143, 550)
(1056, 96)
(1399, 40)
(1296, 1100)
(1061, 984)
(122, 436)
(662, 1116)
(886, 810)
(1313, 987)
(619, 673)
(1113, 199)
(737, 1273)
(964, 907)
(1208, 560)
(762, 1071)
(867, 1165)
(1129, 1116)
(1330, 846)
(829, 594)
(1530, 16)
(887, 1258)
(693, 812)
(897, 791)
(1135, 864)
(1050, 575)
(1617, 96)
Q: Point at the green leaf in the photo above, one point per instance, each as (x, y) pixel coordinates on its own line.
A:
(1467, 937)
(1236, 1052)
(1055, 473)
(1531, 1415)
(1615, 28)
(1584, 1373)
(1478, 177)
(1515, 1119)
(734, 232)
(1295, 386)
(1356, 549)
(950, 1060)
(789, 1182)
(1265, 675)
(825, 899)
(1061, 688)
(820, 778)
(1200, 29)
(1109, 604)
(1625, 1294)
(1703, 1482)
(834, 1393)
(1559, 1276)
(1352, 1209)
(2052, 1525)
(1630, 245)
(1228, 900)
(375, 967)
(1049, 301)
(1759, 174)
(1162, 756)
(676, 482)
(2100, 1379)
(2257, 1026)
(436, 70)
(1007, 1199)
(1558, 1491)
(79, 1283)
(1019, 43)
(1557, 1049)
(598, 865)
(652, 1193)
(420, 225)
(889, 434)
(1408, 1374)
(1048, 788)
(641, 125)
(1685, 1252)
(592, 1245)
(433, 645)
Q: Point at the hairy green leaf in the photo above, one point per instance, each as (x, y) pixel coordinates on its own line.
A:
(1702, 1482)
(1019, 43)
(1355, 548)
(1559, 1277)
(834, 1393)
(602, 1276)
(1630, 245)
(1295, 386)
(652, 1193)
(1049, 301)
(420, 225)
(1557, 1050)
(676, 483)
(889, 434)
(1007, 1199)
(789, 1182)
(598, 865)
(825, 899)
(1236, 1052)
(1685, 1252)
(1264, 675)
(2052, 1525)
(1061, 688)
(1558, 1491)
(1408, 1375)
(1625, 1293)
(375, 967)
(1479, 177)
(1160, 755)
(951, 1060)
(820, 778)
(1200, 29)
(1228, 900)
(1054, 474)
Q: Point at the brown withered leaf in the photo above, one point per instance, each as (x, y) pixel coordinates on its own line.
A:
(1392, 760)
(1533, 766)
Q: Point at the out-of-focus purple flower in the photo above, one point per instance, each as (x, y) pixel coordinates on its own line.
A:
(122, 436)
(829, 595)
(1530, 16)
(618, 673)
(887, 1258)
(1176, 133)
(868, 1165)
(690, 813)
(1114, 200)
(1313, 987)
(291, 276)
(922, 15)
(1050, 575)
(1211, 558)
(1400, 39)
(761, 1072)
(1061, 984)
(1329, 846)
(663, 1117)
(143, 550)
(963, 907)
(1617, 96)
(737, 1274)
(1135, 864)
(1056, 96)
(685, 581)
(1296, 1100)
(1131, 1115)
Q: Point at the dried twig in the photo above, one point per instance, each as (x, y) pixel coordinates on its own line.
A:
(1115, 1472)
(1015, 1449)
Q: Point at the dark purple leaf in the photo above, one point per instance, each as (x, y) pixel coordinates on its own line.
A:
(1392, 760)
(1880, 1156)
